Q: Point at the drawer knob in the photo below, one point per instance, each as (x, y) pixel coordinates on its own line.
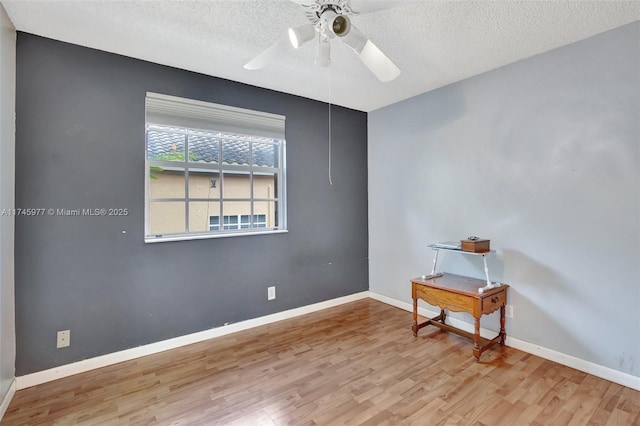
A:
(495, 299)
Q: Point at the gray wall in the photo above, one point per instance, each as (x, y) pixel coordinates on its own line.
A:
(80, 144)
(542, 157)
(7, 157)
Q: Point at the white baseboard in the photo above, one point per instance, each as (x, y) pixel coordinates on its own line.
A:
(597, 370)
(44, 376)
(29, 380)
(603, 372)
(7, 398)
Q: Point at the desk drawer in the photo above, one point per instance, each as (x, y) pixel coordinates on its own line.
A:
(493, 302)
(445, 299)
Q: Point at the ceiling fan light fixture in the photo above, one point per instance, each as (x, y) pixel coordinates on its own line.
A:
(302, 34)
(340, 25)
(323, 58)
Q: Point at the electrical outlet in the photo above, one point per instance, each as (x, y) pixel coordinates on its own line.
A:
(508, 311)
(64, 339)
(271, 293)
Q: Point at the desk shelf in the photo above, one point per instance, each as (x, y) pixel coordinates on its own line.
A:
(484, 255)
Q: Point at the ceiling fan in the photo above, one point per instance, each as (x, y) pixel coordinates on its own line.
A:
(331, 19)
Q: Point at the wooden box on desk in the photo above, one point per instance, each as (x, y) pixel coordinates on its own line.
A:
(475, 246)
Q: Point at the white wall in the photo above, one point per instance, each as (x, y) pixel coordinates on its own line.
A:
(7, 161)
(542, 157)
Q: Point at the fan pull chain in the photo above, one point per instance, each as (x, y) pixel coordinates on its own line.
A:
(329, 72)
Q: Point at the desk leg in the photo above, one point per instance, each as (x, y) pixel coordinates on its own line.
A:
(414, 327)
(443, 316)
(503, 334)
(476, 339)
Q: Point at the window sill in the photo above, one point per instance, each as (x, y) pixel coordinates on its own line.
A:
(149, 240)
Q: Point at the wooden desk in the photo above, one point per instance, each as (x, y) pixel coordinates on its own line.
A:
(460, 294)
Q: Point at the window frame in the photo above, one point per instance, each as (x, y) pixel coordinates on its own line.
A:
(220, 168)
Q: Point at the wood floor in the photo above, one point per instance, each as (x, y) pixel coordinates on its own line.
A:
(354, 364)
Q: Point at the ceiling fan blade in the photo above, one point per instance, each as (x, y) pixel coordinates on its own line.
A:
(370, 6)
(370, 55)
(269, 54)
(378, 63)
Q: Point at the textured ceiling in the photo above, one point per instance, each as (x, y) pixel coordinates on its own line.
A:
(434, 42)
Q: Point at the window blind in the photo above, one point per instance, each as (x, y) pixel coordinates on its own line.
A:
(180, 112)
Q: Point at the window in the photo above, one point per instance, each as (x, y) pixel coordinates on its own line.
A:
(205, 162)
